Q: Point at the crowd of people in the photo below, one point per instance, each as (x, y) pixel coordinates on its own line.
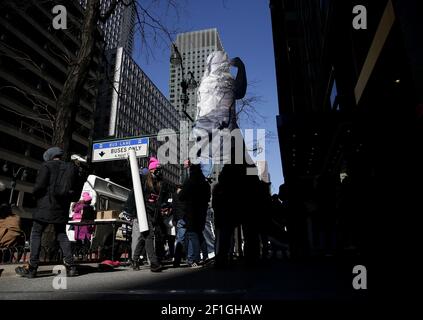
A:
(204, 219)
(194, 220)
(188, 224)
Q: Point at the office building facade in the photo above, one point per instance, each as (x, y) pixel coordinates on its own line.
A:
(33, 69)
(131, 105)
(119, 29)
(349, 103)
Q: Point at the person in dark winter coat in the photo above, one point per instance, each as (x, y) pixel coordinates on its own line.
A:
(237, 197)
(227, 200)
(51, 209)
(196, 195)
(155, 195)
(255, 202)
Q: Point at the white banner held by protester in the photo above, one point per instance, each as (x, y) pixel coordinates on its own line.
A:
(139, 197)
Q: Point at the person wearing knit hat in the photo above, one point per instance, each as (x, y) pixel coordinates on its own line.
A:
(53, 152)
(82, 210)
(154, 168)
(153, 164)
(52, 209)
(156, 193)
(86, 197)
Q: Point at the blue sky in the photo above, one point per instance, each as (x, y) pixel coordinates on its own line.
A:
(245, 30)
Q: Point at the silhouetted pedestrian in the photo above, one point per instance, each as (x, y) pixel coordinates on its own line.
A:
(54, 189)
(196, 195)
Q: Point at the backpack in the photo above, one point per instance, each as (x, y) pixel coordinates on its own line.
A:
(63, 183)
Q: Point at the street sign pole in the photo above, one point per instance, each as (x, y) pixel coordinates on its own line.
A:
(139, 197)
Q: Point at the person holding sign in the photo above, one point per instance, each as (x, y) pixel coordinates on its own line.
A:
(155, 194)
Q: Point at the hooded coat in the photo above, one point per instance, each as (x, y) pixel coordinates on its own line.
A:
(80, 210)
(49, 208)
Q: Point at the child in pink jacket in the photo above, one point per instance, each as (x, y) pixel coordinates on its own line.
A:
(82, 232)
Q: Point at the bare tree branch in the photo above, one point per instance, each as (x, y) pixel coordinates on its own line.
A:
(37, 106)
(19, 55)
(66, 57)
(150, 27)
(249, 109)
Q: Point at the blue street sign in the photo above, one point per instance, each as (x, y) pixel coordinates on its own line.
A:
(118, 149)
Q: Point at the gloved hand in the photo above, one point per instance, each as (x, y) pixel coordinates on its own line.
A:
(125, 216)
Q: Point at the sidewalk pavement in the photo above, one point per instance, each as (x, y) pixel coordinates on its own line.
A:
(8, 270)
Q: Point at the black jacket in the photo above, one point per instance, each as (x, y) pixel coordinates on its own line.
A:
(178, 208)
(152, 208)
(195, 194)
(50, 209)
(234, 196)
